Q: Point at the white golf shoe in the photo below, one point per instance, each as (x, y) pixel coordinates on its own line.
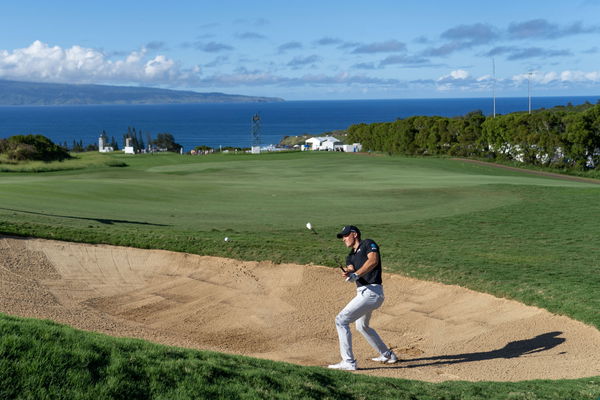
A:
(387, 358)
(344, 365)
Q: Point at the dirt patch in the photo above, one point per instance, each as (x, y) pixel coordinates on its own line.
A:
(285, 312)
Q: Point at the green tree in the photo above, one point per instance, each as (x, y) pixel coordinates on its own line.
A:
(561, 136)
(203, 148)
(582, 143)
(113, 143)
(546, 130)
(32, 147)
(77, 146)
(140, 141)
(166, 141)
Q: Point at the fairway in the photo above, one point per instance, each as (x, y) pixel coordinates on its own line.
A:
(267, 193)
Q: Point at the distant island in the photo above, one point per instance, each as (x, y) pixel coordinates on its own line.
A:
(14, 93)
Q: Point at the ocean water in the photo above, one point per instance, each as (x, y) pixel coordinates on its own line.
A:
(230, 124)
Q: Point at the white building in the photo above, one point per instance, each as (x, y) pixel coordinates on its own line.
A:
(328, 143)
(312, 144)
(331, 144)
(352, 148)
(128, 147)
(102, 147)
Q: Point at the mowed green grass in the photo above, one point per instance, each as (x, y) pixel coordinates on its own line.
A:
(263, 193)
(512, 234)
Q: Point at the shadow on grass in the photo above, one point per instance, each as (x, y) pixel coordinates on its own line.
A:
(106, 221)
(514, 349)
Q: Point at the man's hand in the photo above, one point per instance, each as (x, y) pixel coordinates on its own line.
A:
(352, 277)
(347, 271)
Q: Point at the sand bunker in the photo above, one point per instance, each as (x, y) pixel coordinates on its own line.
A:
(285, 312)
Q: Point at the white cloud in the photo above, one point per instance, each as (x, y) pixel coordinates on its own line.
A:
(454, 75)
(159, 66)
(460, 74)
(580, 76)
(41, 62)
(462, 80)
(552, 77)
(546, 77)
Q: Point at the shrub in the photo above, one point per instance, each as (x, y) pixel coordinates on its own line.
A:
(32, 147)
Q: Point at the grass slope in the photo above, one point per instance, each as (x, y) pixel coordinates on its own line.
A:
(81, 161)
(526, 237)
(43, 360)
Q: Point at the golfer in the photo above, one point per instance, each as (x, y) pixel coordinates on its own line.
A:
(364, 268)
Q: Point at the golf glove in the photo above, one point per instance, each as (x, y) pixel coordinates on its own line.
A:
(352, 277)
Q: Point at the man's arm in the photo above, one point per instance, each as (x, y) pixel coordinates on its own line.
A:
(372, 261)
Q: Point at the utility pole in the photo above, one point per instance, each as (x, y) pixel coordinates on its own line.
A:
(529, 91)
(494, 84)
(255, 132)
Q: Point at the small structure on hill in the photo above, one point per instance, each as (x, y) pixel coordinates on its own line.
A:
(128, 147)
(311, 144)
(102, 147)
(326, 143)
(352, 148)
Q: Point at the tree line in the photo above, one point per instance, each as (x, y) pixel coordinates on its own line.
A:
(38, 147)
(163, 141)
(562, 137)
(140, 141)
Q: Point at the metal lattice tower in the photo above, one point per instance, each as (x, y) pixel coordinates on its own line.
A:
(255, 130)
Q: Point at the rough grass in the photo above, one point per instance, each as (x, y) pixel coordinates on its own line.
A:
(79, 161)
(44, 360)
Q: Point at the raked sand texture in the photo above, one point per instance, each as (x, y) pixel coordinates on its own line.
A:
(286, 312)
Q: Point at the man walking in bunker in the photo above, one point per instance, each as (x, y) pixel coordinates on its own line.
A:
(363, 266)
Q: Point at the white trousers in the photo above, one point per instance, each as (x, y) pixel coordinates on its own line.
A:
(359, 309)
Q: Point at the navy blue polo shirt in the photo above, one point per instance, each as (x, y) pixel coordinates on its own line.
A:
(359, 257)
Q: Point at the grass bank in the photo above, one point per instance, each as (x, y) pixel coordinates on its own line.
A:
(43, 360)
(79, 161)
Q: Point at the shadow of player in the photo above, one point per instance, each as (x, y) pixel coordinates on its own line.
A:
(514, 349)
(106, 221)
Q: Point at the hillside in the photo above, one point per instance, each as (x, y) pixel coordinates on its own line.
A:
(34, 93)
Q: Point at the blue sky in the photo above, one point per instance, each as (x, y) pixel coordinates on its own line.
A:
(305, 50)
